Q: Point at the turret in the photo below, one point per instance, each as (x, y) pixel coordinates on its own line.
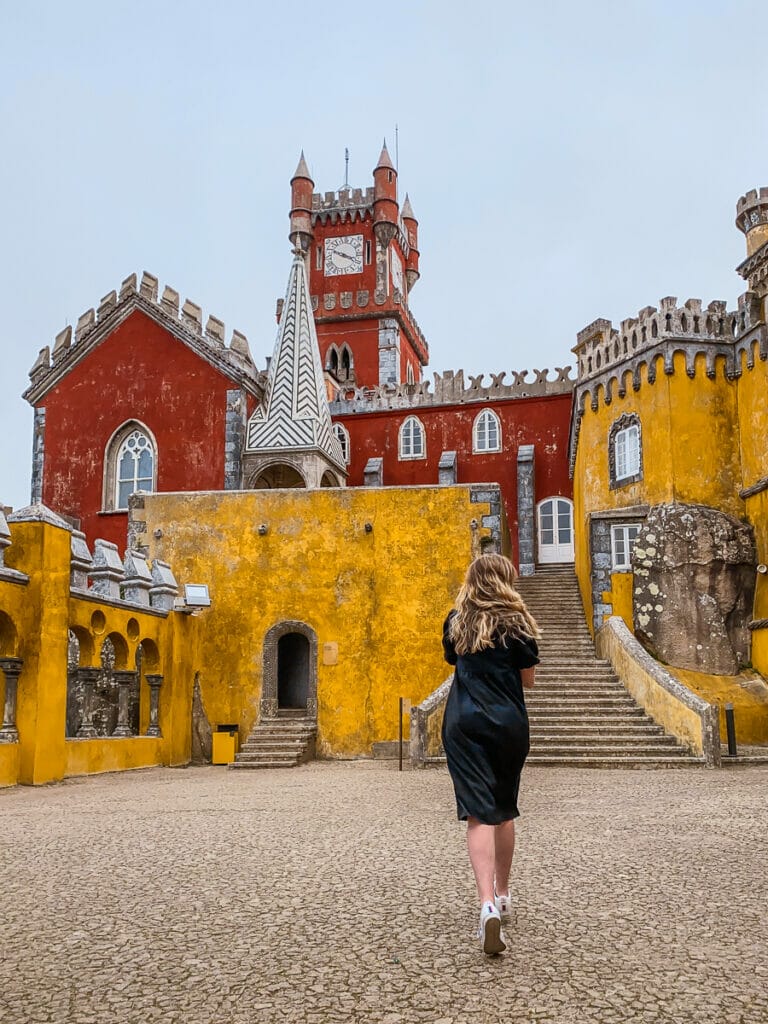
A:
(301, 207)
(412, 231)
(752, 218)
(385, 208)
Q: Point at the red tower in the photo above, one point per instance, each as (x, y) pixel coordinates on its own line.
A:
(363, 261)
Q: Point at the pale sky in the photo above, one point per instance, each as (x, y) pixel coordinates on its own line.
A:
(565, 161)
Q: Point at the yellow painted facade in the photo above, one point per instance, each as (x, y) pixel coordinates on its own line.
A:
(748, 693)
(35, 619)
(376, 598)
(372, 572)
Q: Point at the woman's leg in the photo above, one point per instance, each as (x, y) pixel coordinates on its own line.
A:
(482, 857)
(504, 844)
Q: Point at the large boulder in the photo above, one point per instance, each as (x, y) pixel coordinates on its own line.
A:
(694, 583)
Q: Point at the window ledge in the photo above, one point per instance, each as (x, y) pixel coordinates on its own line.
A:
(113, 512)
(411, 458)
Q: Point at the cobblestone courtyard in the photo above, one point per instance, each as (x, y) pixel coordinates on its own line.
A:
(342, 892)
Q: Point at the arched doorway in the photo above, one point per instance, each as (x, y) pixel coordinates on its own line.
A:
(279, 476)
(292, 672)
(555, 531)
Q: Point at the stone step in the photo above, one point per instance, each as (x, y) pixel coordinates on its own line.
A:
(257, 757)
(586, 703)
(248, 765)
(571, 711)
(602, 760)
(597, 726)
(553, 719)
(272, 744)
(586, 741)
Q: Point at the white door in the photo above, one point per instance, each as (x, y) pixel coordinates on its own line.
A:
(555, 530)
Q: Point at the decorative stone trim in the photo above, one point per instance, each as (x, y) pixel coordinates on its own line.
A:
(11, 669)
(623, 423)
(154, 682)
(373, 474)
(268, 703)
(234, 362)
(447, 468)
(38, 455)
(758, 624)
(601, 555)
(526, 510)
(614, 636)
(756, 488)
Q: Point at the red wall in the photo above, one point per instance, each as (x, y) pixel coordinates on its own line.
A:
(542, 422)
(139, 372)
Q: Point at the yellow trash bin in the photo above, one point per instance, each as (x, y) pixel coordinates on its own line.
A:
(224, 744)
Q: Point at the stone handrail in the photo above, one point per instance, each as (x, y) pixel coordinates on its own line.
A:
(426, 721)
(671, 704)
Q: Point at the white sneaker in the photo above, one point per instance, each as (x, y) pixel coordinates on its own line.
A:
(504, 907)
(490, 933)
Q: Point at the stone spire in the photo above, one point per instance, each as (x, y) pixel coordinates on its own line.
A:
(291, 432)
(385, 160)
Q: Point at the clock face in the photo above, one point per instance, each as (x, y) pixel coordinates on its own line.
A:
(344, 255)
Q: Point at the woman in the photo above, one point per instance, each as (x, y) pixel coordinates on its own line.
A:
(491, 639)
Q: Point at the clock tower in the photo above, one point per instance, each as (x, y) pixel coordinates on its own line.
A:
(362, 257)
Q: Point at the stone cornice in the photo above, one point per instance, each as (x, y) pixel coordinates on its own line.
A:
(755, 488)
(234, 361)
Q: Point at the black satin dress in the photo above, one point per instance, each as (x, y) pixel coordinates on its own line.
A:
(485, 728)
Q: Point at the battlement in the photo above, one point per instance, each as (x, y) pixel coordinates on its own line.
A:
(600, 346)
(450, 388)
(184, 319)
(752, 209)
(346, 204)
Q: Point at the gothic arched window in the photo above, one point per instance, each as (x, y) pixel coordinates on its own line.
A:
(346, 363)
(413, 443)
(486, 432)
(130, 465)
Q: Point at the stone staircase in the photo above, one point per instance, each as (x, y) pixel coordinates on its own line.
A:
(281, 742)
(579, 712)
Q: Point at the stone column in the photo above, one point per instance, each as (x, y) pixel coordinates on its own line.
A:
(89, 677)
(124, 682)
(154, 682)
(11, 669)
(526, 510)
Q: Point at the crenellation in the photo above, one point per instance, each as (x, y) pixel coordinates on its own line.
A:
(215, 331)
(148, 287)
(106, 305)
(62, 344)
(170, 300)
(192, 316)
(238, 346)
(451, 388)
(128, 287)
(85, 324)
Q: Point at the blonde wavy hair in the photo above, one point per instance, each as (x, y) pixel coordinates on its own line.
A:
(488, 608)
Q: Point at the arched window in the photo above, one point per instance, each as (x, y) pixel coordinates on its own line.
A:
(332, 360)
(130, 465)
(625, 457)
(135, 467)
(413, 444)
(342, 435)
(409, 375)
(486, 432)
(346, 363)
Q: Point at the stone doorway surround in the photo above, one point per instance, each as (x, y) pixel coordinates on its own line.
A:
(268, 703)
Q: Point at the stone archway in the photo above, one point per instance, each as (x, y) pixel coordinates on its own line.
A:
(290, 669)
(278, 475)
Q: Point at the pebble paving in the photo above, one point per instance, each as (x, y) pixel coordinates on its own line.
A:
(341, 892)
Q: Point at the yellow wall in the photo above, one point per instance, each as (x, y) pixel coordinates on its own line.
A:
(620, 597)
(690, 452)
(35, 619)
(747, 693)
(753, 431)
(381, 596)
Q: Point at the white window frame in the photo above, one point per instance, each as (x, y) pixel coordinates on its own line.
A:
(621, 561)
(627, 452)
(112, 454)
(412, 439)
(480, 432)
(342, 434)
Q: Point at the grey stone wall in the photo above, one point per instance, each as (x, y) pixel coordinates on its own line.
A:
(600, 524)
(492, 494)
(38, 456)
(389, 352)
(234, 439)
(526, 503)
